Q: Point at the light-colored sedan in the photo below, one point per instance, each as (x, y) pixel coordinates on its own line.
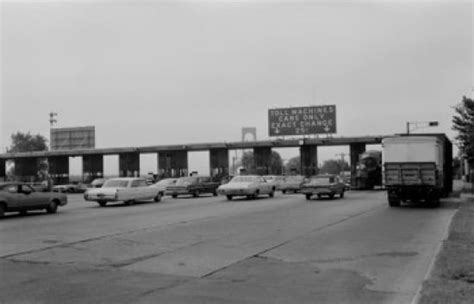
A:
(247, 185)
(126, 189)
(162, 184)
(323, 185)
(292, 183)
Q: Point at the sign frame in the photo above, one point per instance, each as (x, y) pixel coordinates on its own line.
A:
(309, 120)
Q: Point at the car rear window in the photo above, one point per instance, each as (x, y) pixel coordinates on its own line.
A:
(115, 183)
(185, 181)
(245, 179)
(322, 180)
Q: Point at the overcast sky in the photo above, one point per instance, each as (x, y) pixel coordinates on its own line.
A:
(171, 72)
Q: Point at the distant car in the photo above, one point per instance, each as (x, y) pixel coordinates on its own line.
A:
(274, 179)
(98, 182)
(162, 184)
(323, 185)
(247, 185)
(126, 189)
(20, 197)
(70, 188)
(346, 179)
(193, 185)
(292, 183)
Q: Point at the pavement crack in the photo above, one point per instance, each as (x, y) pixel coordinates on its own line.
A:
(261, 253)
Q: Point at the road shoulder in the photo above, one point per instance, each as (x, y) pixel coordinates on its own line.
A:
(452, 277)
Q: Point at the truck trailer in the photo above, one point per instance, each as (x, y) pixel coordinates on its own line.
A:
(417, 168)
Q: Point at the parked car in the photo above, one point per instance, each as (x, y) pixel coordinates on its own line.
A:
(275, 180)
(20, 197)
(323, 185)
(247, 185)
(126, 189)
(162, 184)
(292, 183)
(193, 185)
(98, 182)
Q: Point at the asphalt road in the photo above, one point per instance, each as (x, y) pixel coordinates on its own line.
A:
(210, 250)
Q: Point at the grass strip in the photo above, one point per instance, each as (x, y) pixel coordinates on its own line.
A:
(452, 277)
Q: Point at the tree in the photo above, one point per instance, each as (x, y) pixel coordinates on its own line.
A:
(463, 123)
(293, 165)
(25, 142)
(275, 164)
(333, 166)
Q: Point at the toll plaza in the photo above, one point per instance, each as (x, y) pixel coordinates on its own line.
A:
(173, 159)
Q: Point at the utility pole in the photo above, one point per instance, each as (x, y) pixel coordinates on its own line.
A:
(52, 119)
(342, 155)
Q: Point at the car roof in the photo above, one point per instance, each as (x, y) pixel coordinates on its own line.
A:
(126, 178)
(324, 175)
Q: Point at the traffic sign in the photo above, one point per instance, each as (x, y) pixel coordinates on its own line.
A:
(302, 120)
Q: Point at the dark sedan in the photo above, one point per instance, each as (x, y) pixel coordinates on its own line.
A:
(323, 185)
(20, 197)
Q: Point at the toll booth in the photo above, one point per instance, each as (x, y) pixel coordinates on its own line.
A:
(173, 163)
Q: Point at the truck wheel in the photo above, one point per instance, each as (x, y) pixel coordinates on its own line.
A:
(433, 203)
(393, 201)
(229, 197)
(308, 196)
(102, 203)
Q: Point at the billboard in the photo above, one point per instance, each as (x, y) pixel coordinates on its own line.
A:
(302, 120)
(72, 138)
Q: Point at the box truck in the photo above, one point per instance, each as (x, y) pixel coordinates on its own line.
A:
(417, 168)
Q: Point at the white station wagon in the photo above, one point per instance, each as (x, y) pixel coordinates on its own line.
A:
(126, 189)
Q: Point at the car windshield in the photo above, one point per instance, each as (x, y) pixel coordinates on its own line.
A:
(185, 181)
(167, 181)
(322, 180)
(115, 183)
(243, 179)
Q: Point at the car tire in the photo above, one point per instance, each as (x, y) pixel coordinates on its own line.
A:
(342, 194)
(229, 197)
(394, 200)
(2, 210)
(157, 197)
(255, 195)
(102, 203)
(52, 208)
(308, 196)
